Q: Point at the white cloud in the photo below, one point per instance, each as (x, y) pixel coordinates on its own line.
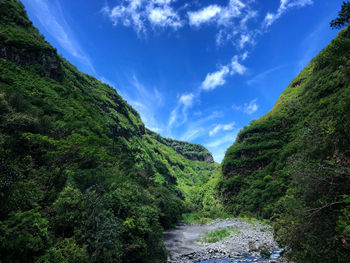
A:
(187, 99)
(184, 103)
(236, 67)
(222, 15)
(220, 127)
(248, 16)
(251, 107)
(270, 18)
(218, 146)
(218, 78)
(204, 15)
(229, 138)
(164, 17)
(230, 19)
(262, 75)
(228, 127)
(139, 13)
(215, 79)
(199, 127)
(232, 10)
(52, 19)
(244, 39)
(247, 108)
(193, 133)
(244, 56)
(145, 100)
(172, 119)
(224, 36)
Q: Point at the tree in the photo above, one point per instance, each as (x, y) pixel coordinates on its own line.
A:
(67, 210)
(343, 18)
(23, 236)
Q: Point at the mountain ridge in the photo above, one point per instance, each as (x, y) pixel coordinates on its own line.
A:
(81, 180)
(295, 160)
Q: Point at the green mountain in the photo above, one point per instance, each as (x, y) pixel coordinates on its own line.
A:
(81, 178)
(293, 164)
(190, 151)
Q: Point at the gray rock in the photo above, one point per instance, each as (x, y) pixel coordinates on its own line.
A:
(184, 243)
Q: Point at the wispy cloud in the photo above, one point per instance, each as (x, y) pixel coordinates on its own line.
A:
(237, 22)
(215, 79)
(218, 78)
(140, 13)
(245, 39)
(199, 127)
(219, 145)
(185, 101)
(251, 107)
(270, 18)
(164, 17)
(204, 15)
(50, 15)
(221, 127)
(221, 15)
(313, 43)
(237, 67)
(146, 100)
(230, 19)
(261, 76)
(248, 108)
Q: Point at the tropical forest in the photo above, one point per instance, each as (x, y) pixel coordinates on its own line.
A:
(85, 177)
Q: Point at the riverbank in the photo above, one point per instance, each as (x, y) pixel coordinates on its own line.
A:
(245, 241)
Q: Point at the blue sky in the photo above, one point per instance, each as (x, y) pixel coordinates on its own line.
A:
(196, 70)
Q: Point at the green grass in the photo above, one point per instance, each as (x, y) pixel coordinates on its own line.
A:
(254, 221)
(217, 235)
(202, 218)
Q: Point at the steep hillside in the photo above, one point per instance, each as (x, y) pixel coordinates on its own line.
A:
(191, 175)
(294, 163)
(80, 178)
(190, 151)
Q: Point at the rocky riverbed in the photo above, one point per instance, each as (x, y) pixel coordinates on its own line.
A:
(185, 242)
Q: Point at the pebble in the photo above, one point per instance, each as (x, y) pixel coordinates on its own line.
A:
(236, 246)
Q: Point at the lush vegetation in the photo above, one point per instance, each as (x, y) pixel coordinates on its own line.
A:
(216, 235)
(191, 151)
(293, 164)
(81, 179)
(343, 18)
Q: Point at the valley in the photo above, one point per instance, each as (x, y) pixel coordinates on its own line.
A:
(82, 179)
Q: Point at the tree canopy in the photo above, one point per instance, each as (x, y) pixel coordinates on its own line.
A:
(343, 18)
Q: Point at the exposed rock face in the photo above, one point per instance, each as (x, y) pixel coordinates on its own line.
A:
(208, 158)
(48, 59)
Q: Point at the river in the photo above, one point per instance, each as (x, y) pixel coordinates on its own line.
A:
(247, 238)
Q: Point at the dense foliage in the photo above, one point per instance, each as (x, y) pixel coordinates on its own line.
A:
(343, 18)
(190, 151)
(81, 180)
(293, 164)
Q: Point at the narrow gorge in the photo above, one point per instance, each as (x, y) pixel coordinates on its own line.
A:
(82, 179)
